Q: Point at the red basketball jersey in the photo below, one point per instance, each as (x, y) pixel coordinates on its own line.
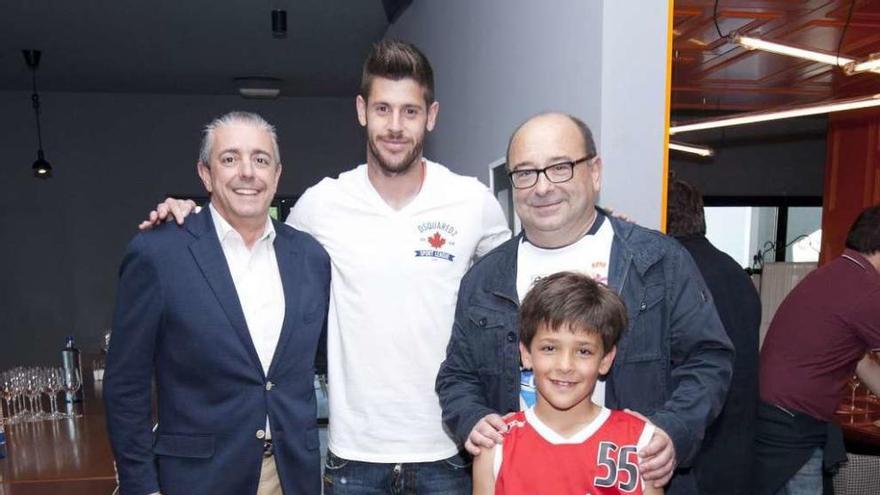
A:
(600, 459)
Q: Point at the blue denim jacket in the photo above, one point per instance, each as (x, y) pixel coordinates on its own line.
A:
(674, 360)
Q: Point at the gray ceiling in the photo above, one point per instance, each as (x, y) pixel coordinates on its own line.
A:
(187, 46)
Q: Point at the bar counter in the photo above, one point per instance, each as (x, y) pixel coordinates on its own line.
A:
(70, 456)
(861, 425)
(73, 456)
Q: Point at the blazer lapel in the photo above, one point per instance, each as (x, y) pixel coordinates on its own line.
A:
(209, 256)
(289, 265)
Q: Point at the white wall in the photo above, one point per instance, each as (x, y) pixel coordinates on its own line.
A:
(729, 229)
(634, 58)
(114, 157)
(496, 62)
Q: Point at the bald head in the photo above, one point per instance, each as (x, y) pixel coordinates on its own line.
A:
(556, 210)
(560, 118)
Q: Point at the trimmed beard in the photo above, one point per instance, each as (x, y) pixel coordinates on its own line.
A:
(399, 168)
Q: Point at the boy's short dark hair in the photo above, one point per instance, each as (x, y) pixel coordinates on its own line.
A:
(576, 301)
(396, 60)
(864, 235)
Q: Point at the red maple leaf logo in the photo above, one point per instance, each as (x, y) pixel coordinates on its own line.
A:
(436, 241)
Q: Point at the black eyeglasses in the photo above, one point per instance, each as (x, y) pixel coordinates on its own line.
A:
(557, 173)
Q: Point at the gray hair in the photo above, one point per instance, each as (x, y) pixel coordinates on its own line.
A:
(236, 117)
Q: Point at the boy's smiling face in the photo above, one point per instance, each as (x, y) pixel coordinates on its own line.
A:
(566, 364)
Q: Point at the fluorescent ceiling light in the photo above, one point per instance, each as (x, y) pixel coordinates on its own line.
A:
(261, 87)
(769, 46)
(872, 64)
(691, 148)
(791, 112)
(263, 93)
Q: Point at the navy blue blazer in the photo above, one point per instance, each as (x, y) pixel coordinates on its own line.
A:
(178, 319)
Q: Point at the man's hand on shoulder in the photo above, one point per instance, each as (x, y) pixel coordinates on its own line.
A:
(657, 459)
(171, 207)
(485, 434)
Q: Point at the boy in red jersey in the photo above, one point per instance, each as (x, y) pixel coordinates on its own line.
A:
(566, 444)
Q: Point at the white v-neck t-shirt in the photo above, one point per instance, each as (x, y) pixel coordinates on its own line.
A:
(395, 277)
(590, 256)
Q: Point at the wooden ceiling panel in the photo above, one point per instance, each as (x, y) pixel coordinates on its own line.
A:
(713, 73)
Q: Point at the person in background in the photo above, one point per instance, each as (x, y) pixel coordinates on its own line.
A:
(401, 231)
(724, 464)
(673, 361)
(818, 338)
(226, 314)
(569, 325)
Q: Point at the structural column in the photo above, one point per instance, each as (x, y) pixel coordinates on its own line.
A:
(852, 175)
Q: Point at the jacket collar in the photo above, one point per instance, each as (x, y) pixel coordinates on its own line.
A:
(209, 256)
(644, 250)
(502, 280)
(207, 252)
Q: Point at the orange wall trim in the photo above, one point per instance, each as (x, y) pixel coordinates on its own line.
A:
(664, 179)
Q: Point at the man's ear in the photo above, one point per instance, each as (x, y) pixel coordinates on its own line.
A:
(204, 174)
(432, 116)
(361, 105)
(607, 361)
(596, 174)
(525, 356)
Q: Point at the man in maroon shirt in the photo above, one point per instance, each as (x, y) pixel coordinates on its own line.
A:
(817, 340)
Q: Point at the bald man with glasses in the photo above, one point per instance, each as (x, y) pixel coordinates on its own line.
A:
(674, 360)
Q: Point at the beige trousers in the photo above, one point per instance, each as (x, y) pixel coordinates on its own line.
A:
(269, 482)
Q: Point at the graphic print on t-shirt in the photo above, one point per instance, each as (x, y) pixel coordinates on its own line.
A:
(528, 394)
(436, 239)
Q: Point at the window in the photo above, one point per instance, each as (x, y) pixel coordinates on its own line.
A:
(789, 230)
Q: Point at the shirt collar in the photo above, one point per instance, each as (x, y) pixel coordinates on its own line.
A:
(856, 258)
(224, 229)
(593, 230)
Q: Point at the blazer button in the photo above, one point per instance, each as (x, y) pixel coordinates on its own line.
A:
(482, 322)
(269, 386)
(511, 337)
(261, 434)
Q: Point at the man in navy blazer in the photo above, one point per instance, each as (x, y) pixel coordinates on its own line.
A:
(225, 313)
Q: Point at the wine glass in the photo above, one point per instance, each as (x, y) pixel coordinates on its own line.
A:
(853, 385)
(54, 384)
(38, 385)
(29, 388)
(6, 388)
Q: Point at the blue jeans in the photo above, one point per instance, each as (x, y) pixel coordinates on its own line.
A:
(450, 476)
(808, 479)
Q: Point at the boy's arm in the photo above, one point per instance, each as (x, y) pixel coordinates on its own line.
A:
(648, 433)
(650, 489)
(484, 472)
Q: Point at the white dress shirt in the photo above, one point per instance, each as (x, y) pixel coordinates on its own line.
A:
(258, 284)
